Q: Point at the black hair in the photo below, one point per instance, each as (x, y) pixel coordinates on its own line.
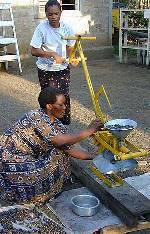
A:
(48, 96)
(52, 3)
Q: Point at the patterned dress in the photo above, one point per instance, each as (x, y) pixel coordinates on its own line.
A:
(31, 167)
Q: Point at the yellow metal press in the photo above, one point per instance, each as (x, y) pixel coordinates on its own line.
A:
(115, 152)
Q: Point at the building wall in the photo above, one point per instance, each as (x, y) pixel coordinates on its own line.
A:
(93, 19)
(100, 24)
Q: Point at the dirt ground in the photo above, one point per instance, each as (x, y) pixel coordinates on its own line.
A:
(127, 85)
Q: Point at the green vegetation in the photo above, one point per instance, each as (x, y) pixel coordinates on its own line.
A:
(131, 52)
(135, 3)
(116, 49)
(135, 20)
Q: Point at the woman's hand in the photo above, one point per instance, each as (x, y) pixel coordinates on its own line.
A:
(80, 154)
(96, 125)
(91, 156)
(74, 63)
(58, 59)
(47, 53)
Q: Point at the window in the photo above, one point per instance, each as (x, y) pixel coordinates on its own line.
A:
(66, 5)
(42, 6)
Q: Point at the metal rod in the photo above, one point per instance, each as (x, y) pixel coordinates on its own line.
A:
(78, 37)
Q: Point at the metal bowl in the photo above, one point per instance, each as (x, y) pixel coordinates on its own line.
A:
(84, 205)
(120, 128)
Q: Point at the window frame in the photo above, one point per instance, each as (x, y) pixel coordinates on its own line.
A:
(39, 6)
(77, 5)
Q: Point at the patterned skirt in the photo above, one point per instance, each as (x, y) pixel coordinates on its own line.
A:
(33, 181)
(61, 80)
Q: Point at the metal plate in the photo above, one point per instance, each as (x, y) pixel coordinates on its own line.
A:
(106, 164)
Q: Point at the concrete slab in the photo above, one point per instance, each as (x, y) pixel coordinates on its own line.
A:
(104, 217)
(140, 183)
(79, 224)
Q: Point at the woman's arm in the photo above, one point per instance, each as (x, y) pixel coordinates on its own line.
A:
(70, 139)
(39, 52)
(78, 153)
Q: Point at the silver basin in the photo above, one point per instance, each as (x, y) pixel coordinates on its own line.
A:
(120, 128)
(84, 205)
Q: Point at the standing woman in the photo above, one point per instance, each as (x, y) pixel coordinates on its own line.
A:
(53, 70)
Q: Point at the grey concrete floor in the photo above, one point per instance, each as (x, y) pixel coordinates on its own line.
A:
(104, 216)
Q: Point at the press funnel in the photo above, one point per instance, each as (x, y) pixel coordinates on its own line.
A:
(120, 128)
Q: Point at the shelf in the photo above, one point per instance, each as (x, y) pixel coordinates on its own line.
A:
(7, 41)
(6, 23)
(140, 34)
(134, 47)
(133, 10)
(5, 6)
(135, 29)
(7, 58)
